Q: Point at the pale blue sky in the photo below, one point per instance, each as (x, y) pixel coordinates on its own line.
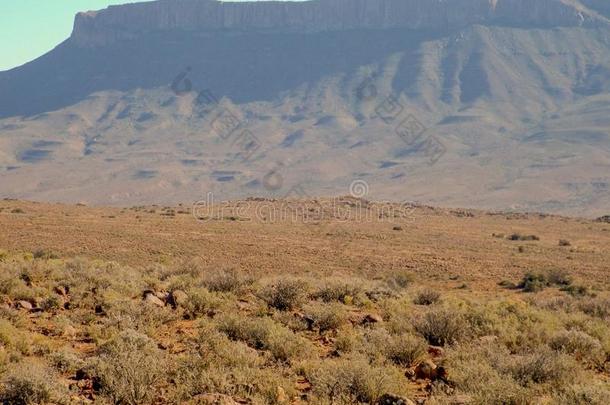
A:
(30, 28)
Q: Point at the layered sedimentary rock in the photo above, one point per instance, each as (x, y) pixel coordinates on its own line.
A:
(119, 22)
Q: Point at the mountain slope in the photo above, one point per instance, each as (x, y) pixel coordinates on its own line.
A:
(514, 100)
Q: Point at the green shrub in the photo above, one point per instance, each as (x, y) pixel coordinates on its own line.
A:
(406, 350)
(399, 279)
(520, 237)
(285, 294)
(576, 290)
(66, 361)
(128, 367)
(427, 297)
(27, 384)
(533, 282)
(583, 394)
(201, 302)
(597, 307)
(477, 370)
(542, 367)
(225, 280)
(441, 326)
(580, 345)
(403, 350)
(559, 277)
(337, 291)
(327, 317)
(265, 334)
(353, 381)
(127, 314)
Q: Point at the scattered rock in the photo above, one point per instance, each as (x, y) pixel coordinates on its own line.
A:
(397, 228)
(372, 318)
(154, 300)
(427, 370)
(390, 399)
(309, 321)
(280, 396)
(61, 290)
(488, 339)
(177, 298)
(163, 296)
(24, 305)
(69, 331)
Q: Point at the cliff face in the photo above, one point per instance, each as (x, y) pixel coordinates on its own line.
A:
(126, 21)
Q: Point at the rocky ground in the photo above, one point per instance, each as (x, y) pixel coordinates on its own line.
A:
(317, 301)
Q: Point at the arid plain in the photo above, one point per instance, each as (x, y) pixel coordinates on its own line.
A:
(312, 301)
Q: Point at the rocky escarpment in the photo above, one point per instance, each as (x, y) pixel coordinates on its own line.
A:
(120, 22)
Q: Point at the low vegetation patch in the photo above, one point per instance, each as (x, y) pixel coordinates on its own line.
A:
(96, 330)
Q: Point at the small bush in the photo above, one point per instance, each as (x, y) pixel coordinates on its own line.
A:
(353, 381)
(576, 290)
(406, 350)
(399, 279)
(346, 340)
(337, 291)
(265, 334)
(44, 254)
(543, 367)
(201, 302)
(519, 237)
(225, 280)
(65, 361)
(327, 317)
(580, 345)
(427, 297)
(441, 327)
(128, 368)
(285, 294)
(564, 242)
(597, 307)
(559, 277)
(27, 384)
(587, 394)
(533, 282)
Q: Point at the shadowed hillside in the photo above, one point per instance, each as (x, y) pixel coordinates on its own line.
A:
(466, 103)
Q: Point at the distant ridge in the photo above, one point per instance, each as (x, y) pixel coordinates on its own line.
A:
(499, 105)
(125, 21)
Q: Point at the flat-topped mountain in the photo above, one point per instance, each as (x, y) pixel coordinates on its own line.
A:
(492, 104)
(121, 22)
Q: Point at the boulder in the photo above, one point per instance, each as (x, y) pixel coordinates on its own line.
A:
(427, 370)
(24, 305)
(177, 298)
(154, 300)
